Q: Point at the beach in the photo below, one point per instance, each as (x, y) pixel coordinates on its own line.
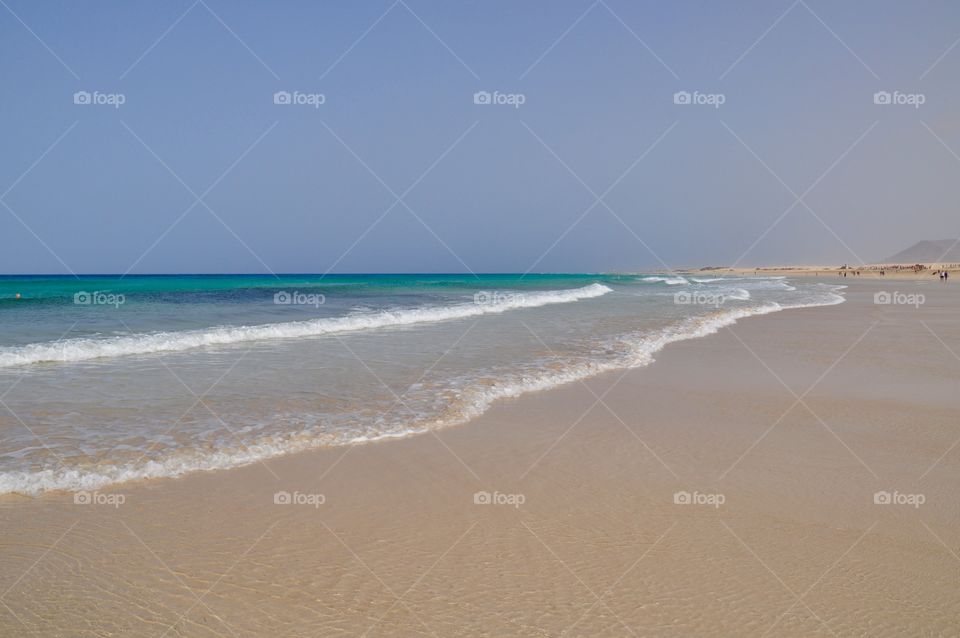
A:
(792, 475)
(480, 320)
(927, 271)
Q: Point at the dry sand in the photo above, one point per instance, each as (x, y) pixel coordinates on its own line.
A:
(797, 419)
(888, 271)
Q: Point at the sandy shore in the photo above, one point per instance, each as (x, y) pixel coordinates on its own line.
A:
(889, 271)
(781, 429)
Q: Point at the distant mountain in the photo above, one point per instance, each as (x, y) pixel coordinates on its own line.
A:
(927, 251)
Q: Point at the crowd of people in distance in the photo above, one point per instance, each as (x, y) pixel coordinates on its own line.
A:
(943, 272)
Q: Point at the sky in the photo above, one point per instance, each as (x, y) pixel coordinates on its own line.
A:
(148, 137)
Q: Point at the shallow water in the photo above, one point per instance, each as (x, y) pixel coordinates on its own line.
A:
(110, 379)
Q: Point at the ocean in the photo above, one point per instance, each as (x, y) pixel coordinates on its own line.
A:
(106, 379)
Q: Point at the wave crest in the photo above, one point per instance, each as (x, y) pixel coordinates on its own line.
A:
(670, 281)
(84, 349)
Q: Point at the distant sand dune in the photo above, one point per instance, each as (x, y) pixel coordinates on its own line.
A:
(927, 251)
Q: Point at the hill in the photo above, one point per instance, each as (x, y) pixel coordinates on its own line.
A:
(927, 251)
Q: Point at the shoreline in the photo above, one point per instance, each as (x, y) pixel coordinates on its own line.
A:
(889, 271)
(172, 468)
(399, 544)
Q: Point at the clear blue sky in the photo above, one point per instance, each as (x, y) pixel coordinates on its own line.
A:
(398, 80)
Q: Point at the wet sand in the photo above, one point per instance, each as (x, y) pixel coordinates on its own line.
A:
(781, 431)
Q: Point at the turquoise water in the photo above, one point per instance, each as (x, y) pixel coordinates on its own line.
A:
(46, 309)
(110, 379)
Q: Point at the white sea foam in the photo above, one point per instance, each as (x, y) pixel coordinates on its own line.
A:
(670, 281)
(84, 349)
(632, 351)
(738, 294)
